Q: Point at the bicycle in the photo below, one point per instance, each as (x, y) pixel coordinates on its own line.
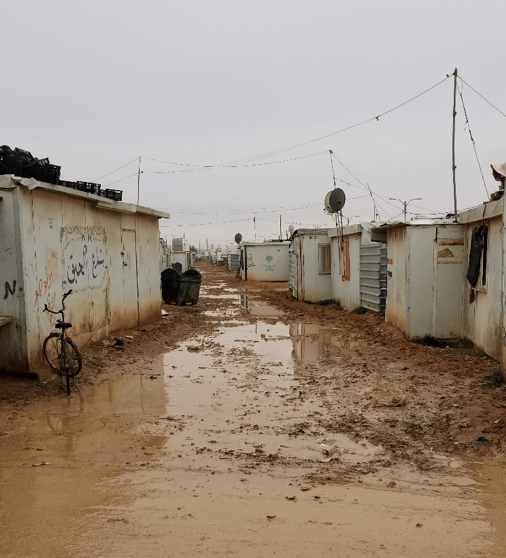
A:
(62, 354)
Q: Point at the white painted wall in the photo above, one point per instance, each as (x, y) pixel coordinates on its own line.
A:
(182, 258)
(425, 279)
(266, 261)
(347, 292)
(483, 318)
(58, 239)
(312, 286)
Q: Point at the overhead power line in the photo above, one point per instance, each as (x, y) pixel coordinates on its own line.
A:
(240, 162)
(480, 95)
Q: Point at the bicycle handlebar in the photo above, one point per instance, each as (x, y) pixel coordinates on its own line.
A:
(46, 309)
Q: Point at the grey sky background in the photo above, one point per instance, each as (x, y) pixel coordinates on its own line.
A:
(93, 85)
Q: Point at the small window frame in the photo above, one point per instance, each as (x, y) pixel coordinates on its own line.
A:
(324, 259)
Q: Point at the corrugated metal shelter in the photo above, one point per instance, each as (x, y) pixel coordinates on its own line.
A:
(53, 239)
(264, 261)
(425, 271)
(309, 266)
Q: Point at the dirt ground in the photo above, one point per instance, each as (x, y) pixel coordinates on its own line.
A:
(374, 381)
(256, 425)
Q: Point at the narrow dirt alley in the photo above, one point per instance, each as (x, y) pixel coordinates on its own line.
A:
(254, 425)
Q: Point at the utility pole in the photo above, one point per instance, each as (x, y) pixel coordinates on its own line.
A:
(455, 215)
(405, 204)
(348, 219)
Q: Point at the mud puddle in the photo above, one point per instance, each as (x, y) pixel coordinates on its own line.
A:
(259, 308)
(210, 449)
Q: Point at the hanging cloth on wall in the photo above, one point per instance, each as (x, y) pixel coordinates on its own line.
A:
(477, 243)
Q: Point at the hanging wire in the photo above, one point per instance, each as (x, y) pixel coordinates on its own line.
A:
(279, 151)
(121, 179)
(461, 94)
(480, 95)
(239, 162)
(206, 224)
(332, 165)
(119, 168)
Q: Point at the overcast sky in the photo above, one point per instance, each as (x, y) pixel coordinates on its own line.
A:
(93, 85)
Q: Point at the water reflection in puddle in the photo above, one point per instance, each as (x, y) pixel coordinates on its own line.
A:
(259, 307)
(237, 385)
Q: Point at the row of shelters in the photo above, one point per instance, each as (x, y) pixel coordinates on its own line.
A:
(438, 277)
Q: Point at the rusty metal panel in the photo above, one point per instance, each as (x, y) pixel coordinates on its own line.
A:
(395, 309)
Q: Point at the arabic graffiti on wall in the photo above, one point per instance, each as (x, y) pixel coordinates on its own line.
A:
(44, 289)
(249, 262)
(84, 257)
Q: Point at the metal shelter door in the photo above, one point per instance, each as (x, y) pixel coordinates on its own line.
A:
(130, 278)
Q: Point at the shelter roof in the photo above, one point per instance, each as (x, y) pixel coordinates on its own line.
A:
(10, 182)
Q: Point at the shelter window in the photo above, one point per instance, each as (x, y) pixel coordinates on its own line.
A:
(324, 258)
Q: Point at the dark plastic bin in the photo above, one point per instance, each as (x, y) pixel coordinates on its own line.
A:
(181, 289)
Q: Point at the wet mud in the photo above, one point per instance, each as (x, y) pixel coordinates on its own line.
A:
(255, 425)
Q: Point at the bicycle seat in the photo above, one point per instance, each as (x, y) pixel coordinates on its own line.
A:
(63, 325)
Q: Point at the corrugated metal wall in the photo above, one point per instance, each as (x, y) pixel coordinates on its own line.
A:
(292, 273)
(373, 277)
(233, 262)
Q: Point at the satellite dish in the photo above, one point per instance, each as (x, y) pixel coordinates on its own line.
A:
(238, 238)
(291, 229)
(335, 200)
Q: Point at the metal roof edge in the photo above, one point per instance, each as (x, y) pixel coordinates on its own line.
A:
(349, 229)
(321, 231)
(103, 203)
(487, 210)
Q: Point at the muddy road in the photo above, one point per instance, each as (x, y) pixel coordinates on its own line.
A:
(255, 425)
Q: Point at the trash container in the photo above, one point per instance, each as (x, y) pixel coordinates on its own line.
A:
(181, 289)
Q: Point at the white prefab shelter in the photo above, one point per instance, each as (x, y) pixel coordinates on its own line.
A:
(182, 257)
(358, 268)
(165, 255)
(264, 261)
(310, 265)
(53, 239)
(425, 271)
(482, 310)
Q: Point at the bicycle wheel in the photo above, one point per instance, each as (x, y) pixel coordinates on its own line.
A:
(52, 350)
(75, 360)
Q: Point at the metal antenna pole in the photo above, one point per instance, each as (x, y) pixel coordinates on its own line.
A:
(139, 181)
(453, 146)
